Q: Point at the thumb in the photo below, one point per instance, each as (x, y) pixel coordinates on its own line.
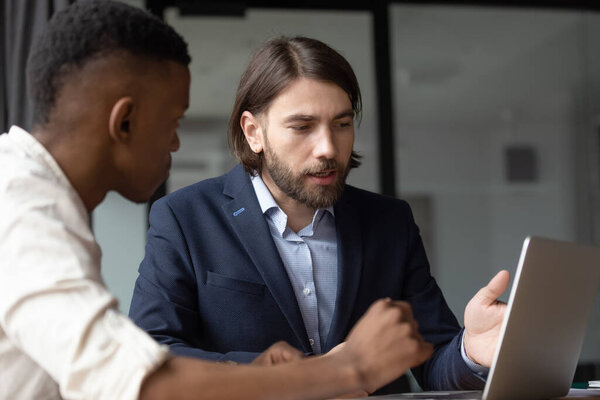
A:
(291, 354)
(494, 289)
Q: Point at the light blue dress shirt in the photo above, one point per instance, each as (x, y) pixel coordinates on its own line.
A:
(310, 259)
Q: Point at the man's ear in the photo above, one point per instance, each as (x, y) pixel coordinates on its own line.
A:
(252, 130)
(119, 124)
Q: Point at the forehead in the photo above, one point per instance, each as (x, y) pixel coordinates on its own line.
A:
(311, 97)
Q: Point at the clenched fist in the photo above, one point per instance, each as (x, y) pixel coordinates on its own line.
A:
(384, 344)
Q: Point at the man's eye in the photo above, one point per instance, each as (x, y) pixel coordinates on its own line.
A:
(344, 124)
(300, 127)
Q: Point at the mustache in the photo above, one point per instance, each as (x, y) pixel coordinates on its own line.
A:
(321, 166)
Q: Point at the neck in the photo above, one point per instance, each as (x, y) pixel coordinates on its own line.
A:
(298, 214)
(81, 167)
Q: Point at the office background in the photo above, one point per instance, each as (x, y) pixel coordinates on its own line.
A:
(485, 116)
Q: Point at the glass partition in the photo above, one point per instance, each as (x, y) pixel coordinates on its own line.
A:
(492, 113)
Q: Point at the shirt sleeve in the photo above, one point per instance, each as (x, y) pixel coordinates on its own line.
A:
(473, 366)
(54, 305)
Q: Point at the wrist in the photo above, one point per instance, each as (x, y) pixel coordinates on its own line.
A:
(468, 351)
(348, 368)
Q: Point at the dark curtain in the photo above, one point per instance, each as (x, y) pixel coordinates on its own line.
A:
(22, 21)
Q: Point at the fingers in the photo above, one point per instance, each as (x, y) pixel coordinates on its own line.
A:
(499, 283)
(289, 353)
(396, 312)
(402, 310)
(283, 352)
(494, 289)
(280, 352)
(422, 351)
(405, 308)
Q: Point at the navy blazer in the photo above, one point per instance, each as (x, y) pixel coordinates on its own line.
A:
(212, 284)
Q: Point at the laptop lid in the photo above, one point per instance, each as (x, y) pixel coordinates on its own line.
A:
(545, 322)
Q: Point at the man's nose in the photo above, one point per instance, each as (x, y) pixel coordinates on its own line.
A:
(325, 146)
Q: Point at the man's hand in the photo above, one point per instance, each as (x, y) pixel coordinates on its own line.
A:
(279, 353)
(384, 344)
(483, 319)
(352, 395)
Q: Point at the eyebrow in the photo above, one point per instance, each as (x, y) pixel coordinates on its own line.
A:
(307, 117)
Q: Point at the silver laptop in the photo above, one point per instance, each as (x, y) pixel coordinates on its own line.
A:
(542, 333)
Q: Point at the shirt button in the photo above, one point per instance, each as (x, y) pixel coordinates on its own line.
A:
(306, 291)
(311, 341)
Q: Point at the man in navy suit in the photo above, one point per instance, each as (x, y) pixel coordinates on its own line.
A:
(280, 248)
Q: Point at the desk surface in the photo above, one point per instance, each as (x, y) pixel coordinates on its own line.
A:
(573, 394)
(583, 394)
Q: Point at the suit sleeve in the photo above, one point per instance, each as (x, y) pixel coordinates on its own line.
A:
(164, 301)
(446, 369)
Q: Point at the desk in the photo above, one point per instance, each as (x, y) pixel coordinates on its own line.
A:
(583, 394)
(587, 394)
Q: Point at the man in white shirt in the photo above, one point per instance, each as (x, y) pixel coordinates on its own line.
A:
(109, 83)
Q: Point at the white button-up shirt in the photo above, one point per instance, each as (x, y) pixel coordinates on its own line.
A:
(60, 332)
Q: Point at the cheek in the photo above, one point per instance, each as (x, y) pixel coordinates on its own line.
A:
(152, 159)
(298, 156)
(345, 144)
(285, 147)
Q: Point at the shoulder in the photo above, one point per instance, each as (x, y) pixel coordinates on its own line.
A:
(205, 194)
(198, 194)
(204, 188)
(26, 184)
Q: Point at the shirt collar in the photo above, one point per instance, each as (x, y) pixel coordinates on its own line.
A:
(36, 150)
(30, 145)
(265, 198)
(269, 206)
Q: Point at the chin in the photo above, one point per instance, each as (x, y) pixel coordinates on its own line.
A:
(141, 190)
(141, 200)
(138, 196)
(138, 199)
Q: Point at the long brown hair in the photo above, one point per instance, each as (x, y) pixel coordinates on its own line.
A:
(272, 68)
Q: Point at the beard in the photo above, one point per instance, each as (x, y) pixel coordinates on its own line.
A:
(293, 184)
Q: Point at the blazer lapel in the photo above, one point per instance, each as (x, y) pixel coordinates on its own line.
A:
(350, 251)
(245, 216)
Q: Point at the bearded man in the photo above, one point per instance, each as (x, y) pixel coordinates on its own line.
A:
(280, 248)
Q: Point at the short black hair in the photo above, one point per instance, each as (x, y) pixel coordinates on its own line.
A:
(89, 29)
